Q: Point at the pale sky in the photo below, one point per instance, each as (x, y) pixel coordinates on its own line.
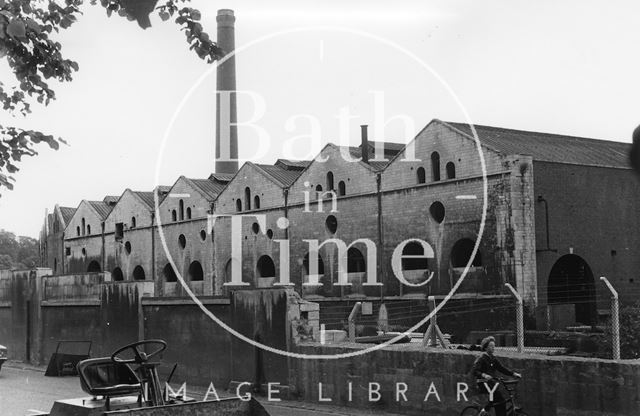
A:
(566, 67)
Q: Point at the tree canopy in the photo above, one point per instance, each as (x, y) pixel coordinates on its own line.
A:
(18, 252)
(28, 32)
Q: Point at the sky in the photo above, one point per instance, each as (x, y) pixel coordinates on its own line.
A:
(566, 67)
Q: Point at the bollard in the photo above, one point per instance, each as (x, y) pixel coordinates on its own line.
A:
(519, 318)
(615, 319)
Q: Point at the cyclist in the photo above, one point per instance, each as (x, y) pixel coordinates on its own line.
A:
(486, 368)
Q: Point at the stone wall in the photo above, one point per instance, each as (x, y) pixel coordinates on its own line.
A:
(551, 385)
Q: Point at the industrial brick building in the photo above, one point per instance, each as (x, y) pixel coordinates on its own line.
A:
(561, 211)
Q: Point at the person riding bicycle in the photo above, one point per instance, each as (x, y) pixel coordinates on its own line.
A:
(486, 368)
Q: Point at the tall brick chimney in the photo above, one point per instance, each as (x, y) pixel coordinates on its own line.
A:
(364, 136)
(226, 111)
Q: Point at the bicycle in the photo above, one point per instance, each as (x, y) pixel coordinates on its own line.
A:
(512, 408)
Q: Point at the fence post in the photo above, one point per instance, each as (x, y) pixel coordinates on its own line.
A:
(615, 319)
(519, 318)
(352, 321)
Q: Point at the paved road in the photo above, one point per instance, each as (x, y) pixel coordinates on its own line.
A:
(24, 390)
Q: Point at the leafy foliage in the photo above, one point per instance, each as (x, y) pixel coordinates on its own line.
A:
(630, 331)
(27, 42)
(18, 253)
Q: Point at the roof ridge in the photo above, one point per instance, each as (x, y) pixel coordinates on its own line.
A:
(531, 132)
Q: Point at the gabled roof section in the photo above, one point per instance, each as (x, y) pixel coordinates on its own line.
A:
(356, 152)
(148, 196)
(279, 175)
(209, 188)
(102, 208)
(67, 213)
(546, 147)
(111, 199)
(221, 177)
(288, 164)
(390, 148)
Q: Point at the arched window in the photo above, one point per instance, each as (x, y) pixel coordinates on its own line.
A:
(195, 271)
(319, 188)
(266, 267)
(133, 222)
(88, 229)
(94, 267)
(256, 202)
(138, 273)
(182, 240)
(451, 170)
(355, 261)
(78, 230)
(238, 205)
(342, 188)
(188, 213)
(329, 181)
(181, 209)
(461, 253)
(174, 216)
(305, 264)
(435, 166)
(84, 228)
(422, 178)
(414, 249)
(117, 274)
(169, 273)
(247, 198)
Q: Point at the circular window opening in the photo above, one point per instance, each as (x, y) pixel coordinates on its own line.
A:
(203, 235)
(332, 224)
(182, 240)
(84, 251)
(437, 211)
(270, 233)
(127, 247)
(255, 228)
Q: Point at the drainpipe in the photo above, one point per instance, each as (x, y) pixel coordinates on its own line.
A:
(286, 211)
(153, 247)
(104, 250)
(380, 234)
(63, 257)
(546, 216)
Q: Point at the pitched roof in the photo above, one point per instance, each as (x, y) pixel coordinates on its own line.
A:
(67, 213)
(551, 147)
(210, 188)
(147, 197)
(221, 177)
(356, 152)
(282, 176)
(292, 164)
(102, 208)
(390, 148)
(111, 199)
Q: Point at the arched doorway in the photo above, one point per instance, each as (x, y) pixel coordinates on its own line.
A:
(94, 267)
(571, 282)
(169, 273)
(138, 273)
(195, 271)
(117, 275)
(266, 267)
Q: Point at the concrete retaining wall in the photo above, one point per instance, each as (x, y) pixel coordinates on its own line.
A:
(551, 385)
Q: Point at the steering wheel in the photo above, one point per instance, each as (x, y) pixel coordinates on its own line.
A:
(139, 355)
